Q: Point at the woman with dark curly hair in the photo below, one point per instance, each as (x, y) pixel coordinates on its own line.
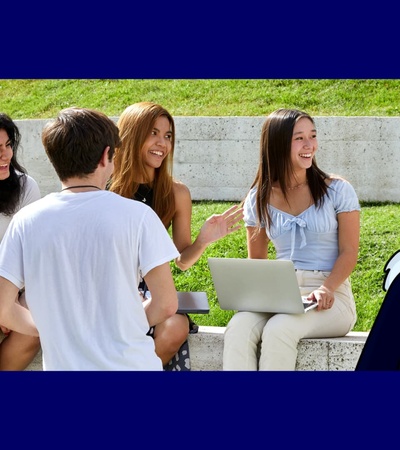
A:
(17, 189)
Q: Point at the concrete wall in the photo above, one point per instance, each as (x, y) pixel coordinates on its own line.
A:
(217, 156)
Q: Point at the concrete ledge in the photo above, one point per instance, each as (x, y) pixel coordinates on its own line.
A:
(206, 347)
(341, 353)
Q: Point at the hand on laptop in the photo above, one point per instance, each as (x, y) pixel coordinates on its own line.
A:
(323, 296)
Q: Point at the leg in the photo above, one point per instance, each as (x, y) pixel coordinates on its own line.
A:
(280, 338)
(241, 340)
(282, 333)
(17, 350)
(170, 335)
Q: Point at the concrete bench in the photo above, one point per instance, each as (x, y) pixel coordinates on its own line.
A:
(340, 354)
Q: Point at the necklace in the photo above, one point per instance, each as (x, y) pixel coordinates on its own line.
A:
(143, 195)
(81, 186)
(298, 186)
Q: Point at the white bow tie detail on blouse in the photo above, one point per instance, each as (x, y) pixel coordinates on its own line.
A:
(290, 224)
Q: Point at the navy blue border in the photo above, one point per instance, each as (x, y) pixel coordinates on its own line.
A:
(292, 408)
(305, 40)
(208, 40)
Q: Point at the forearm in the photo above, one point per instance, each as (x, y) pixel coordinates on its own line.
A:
(164, 299)
(214, 228)
(191, 254)
(342, 269)
(155, 314)
(19, 319)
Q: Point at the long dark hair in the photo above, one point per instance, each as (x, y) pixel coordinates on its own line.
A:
(12, 187)
(275, 161)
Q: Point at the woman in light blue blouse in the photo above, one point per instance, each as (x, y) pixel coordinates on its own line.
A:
(311, 218)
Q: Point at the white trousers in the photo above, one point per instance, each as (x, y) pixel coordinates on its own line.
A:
(274, 337)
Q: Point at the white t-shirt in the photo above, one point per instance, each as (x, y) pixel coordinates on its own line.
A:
(30, 194)
(79, 256)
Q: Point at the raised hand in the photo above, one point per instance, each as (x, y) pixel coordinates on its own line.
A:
(219, 225)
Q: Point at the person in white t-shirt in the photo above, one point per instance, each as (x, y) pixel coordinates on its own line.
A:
(17, 189)
(80, 254)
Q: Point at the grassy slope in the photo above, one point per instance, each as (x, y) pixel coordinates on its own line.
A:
(35, 99)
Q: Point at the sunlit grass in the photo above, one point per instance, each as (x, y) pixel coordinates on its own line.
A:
(43, 98)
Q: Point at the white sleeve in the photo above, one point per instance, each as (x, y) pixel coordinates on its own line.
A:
(156, 245)
(31, 192)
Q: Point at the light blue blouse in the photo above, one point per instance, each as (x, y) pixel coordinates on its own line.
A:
(310, 239)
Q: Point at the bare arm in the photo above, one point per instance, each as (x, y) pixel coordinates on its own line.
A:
(164, 300)
(12, 314)
(257, 243)
(214, 228)
(349, 238)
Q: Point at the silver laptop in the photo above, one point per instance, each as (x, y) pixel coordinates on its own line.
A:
(259, 285)
(193, 303)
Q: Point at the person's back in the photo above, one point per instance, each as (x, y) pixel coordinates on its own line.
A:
(83, 250)
(98, 238)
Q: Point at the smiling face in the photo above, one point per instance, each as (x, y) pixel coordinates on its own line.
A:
(158, 144)
(304, 144)
(6, 153)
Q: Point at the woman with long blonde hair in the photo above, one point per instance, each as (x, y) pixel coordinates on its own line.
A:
(143, 168)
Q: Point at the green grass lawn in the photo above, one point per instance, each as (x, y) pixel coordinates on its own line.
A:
(43, 98)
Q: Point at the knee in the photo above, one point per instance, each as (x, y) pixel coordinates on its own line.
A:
(235, 328)
(245, 325)
(173, 332)
(278, 329)
(243, 336)
(33, 344)
(28, 345)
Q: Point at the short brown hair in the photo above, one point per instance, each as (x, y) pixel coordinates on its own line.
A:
(76, 139)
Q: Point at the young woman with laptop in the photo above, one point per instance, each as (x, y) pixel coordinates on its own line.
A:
(313, 219)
